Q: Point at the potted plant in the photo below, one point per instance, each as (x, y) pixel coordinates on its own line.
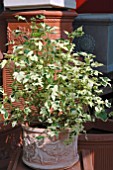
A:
(54, 92)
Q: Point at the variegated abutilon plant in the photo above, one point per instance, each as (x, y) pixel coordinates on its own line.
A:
(58, 89)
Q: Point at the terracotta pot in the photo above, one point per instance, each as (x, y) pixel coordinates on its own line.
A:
(9, 140)
(48, 153)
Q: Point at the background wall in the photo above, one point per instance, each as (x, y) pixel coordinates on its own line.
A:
(94, 6)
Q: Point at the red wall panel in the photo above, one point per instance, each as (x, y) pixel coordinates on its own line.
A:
(94, 6)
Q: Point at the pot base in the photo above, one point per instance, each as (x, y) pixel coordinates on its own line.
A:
(35, 167)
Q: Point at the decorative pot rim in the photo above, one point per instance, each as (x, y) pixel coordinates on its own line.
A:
(38, 129)
(33, 129)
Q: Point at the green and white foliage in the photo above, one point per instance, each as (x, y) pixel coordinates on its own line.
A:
(58, 88)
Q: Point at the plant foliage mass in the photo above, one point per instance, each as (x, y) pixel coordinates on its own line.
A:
(54, 85)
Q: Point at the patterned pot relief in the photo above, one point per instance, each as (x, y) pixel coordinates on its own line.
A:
(48, 153)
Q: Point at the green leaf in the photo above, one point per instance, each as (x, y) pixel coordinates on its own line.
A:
(66, 32)
(40, 138)
(3, 63)
(40, 16)
(6, 115)
(14, 123)
(102, 115)
(107, 103)
(80, 29)
(20, 18)
(12, 98)
(19, 76)
(27, 110)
